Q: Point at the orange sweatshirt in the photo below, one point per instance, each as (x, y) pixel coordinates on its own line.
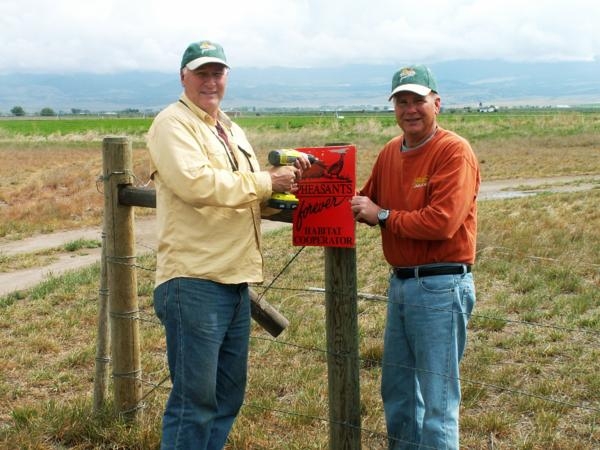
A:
(431, 193)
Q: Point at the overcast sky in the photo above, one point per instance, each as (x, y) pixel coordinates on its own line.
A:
(119, 35)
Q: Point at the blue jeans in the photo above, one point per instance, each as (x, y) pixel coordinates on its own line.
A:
(207, 327)
(424, 341)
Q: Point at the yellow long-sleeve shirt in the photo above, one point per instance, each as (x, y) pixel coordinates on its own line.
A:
(208, 211)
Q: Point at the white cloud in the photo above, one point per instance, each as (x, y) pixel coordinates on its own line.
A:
(71, 35)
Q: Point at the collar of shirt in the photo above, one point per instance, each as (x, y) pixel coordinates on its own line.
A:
(222, 117)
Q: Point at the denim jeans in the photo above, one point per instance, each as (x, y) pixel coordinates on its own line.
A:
(424, 341)
(207, 327)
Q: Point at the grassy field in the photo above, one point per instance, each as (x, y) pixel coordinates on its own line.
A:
(49, 171)
(531, 377)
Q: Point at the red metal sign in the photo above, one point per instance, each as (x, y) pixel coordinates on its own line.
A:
(323, 217)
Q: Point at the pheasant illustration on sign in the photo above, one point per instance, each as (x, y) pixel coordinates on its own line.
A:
(333, 170)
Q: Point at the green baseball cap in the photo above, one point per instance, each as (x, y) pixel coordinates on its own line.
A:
(417, 79)
(203, 52)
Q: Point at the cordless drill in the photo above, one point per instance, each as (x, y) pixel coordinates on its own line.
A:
(286, 157)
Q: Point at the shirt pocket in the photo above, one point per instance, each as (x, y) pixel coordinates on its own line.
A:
(217, 157)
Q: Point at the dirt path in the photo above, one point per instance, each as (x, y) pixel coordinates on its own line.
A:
(146, 231)
(145, 238)
(498, 189)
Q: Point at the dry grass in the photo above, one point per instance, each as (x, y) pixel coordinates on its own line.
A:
(531, 374)
(50, 183)
(49, 187)
(538, 157)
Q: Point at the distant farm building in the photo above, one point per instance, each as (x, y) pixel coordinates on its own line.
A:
(487, 109)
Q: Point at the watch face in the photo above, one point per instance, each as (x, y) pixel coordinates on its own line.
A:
(383, 214)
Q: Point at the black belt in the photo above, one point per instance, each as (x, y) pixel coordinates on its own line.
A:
(428, 271)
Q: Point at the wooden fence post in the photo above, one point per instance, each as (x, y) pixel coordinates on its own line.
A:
(122, 278)
(342, 348)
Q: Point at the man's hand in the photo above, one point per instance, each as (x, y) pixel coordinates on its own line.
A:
(284, 178)
(364, 210)
(302, 163)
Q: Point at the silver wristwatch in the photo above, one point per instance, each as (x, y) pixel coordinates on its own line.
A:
(382, 216)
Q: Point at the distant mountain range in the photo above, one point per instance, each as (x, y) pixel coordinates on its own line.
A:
(461, 83)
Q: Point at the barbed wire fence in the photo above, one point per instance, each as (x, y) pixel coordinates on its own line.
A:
(380, 300)
(160, 385)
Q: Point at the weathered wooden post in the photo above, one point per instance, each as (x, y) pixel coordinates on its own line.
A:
(324, 218)
(342, 348)
(122, 279)
(103, 337)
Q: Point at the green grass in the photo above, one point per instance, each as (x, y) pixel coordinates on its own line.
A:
(79, 244)
(57, 128)
(531, 376)
(509, 125)
(473, 126)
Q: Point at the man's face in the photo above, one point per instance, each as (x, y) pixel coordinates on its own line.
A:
(416, 114)
(205, 86)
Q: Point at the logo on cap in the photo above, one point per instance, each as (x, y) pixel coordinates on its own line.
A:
(206, 46)
(407, 72)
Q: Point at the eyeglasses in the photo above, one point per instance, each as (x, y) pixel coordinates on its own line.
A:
(206, 75)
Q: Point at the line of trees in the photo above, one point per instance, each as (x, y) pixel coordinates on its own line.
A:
(18, 111)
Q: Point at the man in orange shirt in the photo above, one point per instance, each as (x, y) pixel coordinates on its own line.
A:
(422, 192)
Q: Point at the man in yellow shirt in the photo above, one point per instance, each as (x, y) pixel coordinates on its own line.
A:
(210, 192)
